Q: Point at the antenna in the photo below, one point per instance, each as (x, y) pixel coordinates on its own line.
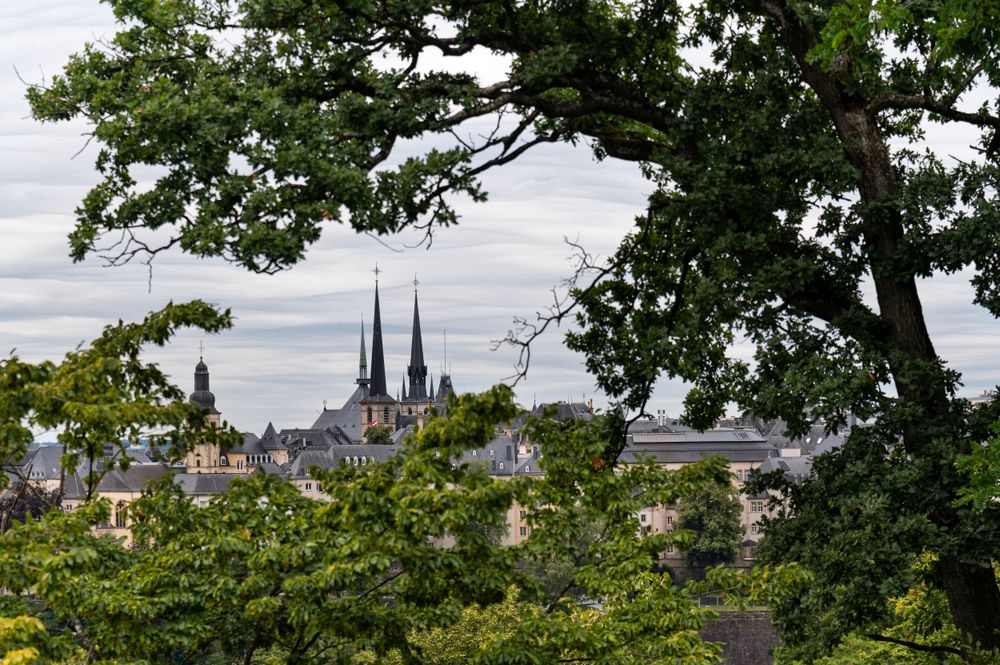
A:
(201, 349)
(445, 364)
(324, 405)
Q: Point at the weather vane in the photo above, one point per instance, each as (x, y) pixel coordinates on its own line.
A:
(201, 350)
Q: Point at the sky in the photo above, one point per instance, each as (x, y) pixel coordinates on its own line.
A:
(296, 339)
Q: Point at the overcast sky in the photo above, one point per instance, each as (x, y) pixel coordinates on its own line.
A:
(295, 343)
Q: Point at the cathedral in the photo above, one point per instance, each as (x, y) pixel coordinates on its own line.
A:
(371, 404)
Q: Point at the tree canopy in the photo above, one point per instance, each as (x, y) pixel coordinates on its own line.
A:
(792, 176)
(712, 515)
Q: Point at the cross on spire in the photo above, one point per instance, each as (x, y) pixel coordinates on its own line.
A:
(377, 272)
(201, 349)
(416, 282)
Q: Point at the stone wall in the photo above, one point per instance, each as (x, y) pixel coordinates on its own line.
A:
(747, 637)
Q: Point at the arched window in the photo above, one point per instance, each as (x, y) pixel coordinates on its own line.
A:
(355, 461)
(120, 515)
(364, 461)
(409, 410)
(426, 410)
(197, 461)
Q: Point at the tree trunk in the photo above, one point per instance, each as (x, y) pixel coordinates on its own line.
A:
(973, 600)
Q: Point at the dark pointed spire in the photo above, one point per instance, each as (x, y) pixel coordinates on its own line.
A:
(417, 370)
(363, 364)
(431, 395)
(378, 356)
(404, 389)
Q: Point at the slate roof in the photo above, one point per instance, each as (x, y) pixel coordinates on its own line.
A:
(692, 446)
(271, 440)
(331, 457)
(134, 479)
(251, 445)
(797, 468)
(195, 484)
(347, 418)
(45, 463)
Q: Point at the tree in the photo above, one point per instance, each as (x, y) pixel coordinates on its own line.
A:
(379, 435)
(24, 500)
(263, 570)
(784, 142)
(713, 515)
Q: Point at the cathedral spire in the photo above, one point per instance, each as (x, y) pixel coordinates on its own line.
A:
(363, 364)
(378, 356)
(417, 370)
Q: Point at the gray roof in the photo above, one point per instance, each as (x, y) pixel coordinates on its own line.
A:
(332, 456)
(692, 446)
(347, 418)
(44, 462)
(271, 440)
(133, 479)
(797, 468)
(195, 484)
(251, 445)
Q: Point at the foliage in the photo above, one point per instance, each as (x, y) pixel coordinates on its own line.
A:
(472, 636)
(105, 394)
(25, 500)
(713, 516)
(554, 576)
(784, 142)
(920, 617)
(263, 570)
(379, 435)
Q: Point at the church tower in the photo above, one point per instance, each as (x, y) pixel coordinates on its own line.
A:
(417, 402)
(378, 407)
(204, 457)
(363, 363)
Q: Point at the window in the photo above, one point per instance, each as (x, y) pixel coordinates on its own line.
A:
(225, 461)
(409, 410)
(642, 518)
(319, 487)
(385, 415)
(501, 466)
(524, 531)
(491, 452)
(527, 469)
(754, 528)
(670, 519)
(364, 461)
(309, 487)
(355, 461)
(369, 414)
(473, 453)
(670, 548)
(756, 506)
(120, 515)
(524, 513)
(197, 461)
